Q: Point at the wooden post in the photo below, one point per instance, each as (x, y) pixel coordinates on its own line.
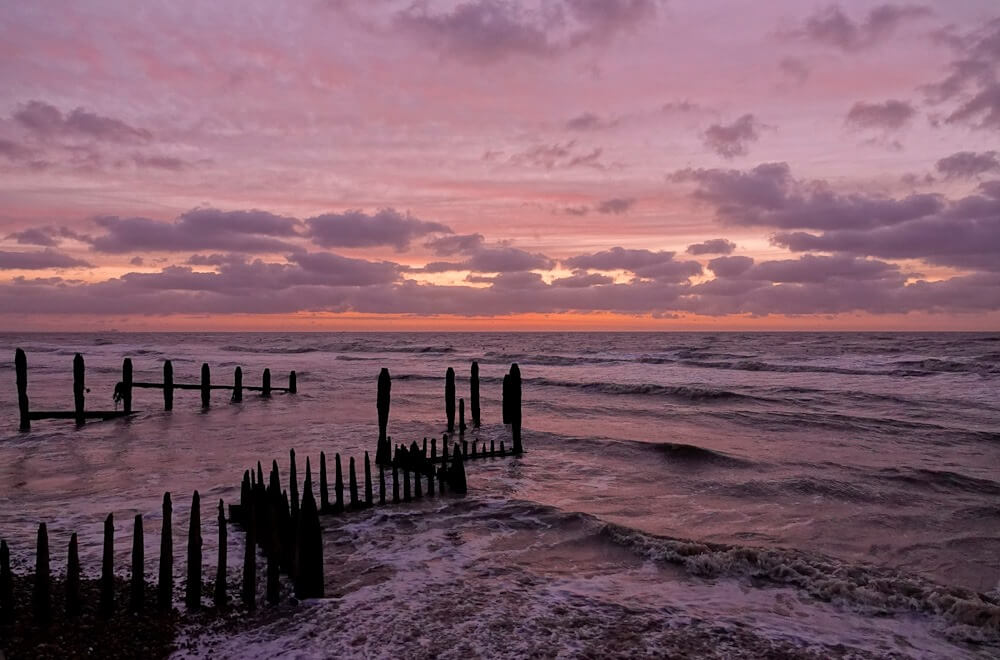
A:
(502, 450)
(456, 475)
(449, 398)
(273, 586)
(265, 390)
(21, 367)
(127, 385)
(192, 595)
(309, 582)
(293, 485)
(493, 448)
(461, 416)
(381, 484)
(324, 490)
(395, 483)
(206, 385)
(108, 568)
(41, 600)
(249, 591)
(368, 481)
(6, 585)
(220, 572)
(138, 597)
(307, 485)
(474, 393)
(238, 385)
(515, 406)
(406, 483)
(168, 385)
(73, 579)
(505, 399)
(78, 388)
(292, 385)
(353, 482)
(338, 485)
(383, 453)
(417, 488)
(165, 587)
(443, 472)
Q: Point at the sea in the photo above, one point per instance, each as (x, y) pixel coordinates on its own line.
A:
(680, 494)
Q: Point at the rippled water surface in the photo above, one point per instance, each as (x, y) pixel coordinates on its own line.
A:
(792, 484)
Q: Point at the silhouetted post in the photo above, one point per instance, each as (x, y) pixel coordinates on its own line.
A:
(368, 481)
(21, 367)
(474, 393)
(395, 483)
(456, 474)
(73, 579)
(443, 472)
(293, 485)
(474, 443)
(6, 585)
(220, 573)
(449, 398)
(165, 588)
(168, 385)
(461, 415)
(273, 588)
(502, 450)
(206, 385)
(515, 406)
(238, 385)
(381, 484)
(429, 466)
(353, 484)
(108, 568)
(265, 389)
(418, 491)
(338, 485)
(78, 387)
(138, 597)
(383, 452)
(249, 591)
(465, 448)
(41, 600)
(127, 385)
(310, 578)
(324, 490)
(307, 485)
(193, 591)
(292, 384)
(406, 484)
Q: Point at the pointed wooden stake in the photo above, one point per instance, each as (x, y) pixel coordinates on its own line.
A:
(192, 596)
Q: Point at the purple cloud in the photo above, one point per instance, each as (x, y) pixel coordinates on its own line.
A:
(616, 205)
(34, 236)
(557, 155)
(581, 278)
(588, 121)
(731, 140)
(642, 263)
(968, 164)
(446, 246)
(891, 115)
(47, 121)
(794, 68)
(730, 266)
(712, 246)
(46, 258)
(358, 229)
(832, 27)
(973, 77)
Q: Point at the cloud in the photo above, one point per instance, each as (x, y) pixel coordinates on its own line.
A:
(14, 151)
(198, 229)
(968, 164)
(41, 260)
(499, 259)
(34, 236)
(888, 116)
(161, 162)
(830, 26)
(642, 263)
(581, 278)
(47, 121)
(794, 68)
(973, 78)
(588, 121)
(731, 140)
(357, 229)
(730, 266)
(713, 246)
(616, 205)
(446, 246)
(558, 155)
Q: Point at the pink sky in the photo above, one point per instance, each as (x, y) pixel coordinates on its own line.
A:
(566, 164)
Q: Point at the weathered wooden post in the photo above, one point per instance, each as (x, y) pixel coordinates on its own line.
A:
(395, 483)
(353, 484)
(238, 385)
(165, 587)
(383, 453)
(338, 485)
(41, 600)
(220, 573)
(168, 385)
(292, 384)
(449, 398)
(324, 490)
(461, 416)
(307, 485)
(309, 583)
(474, 393)
(502, 450)
(206, 385)
(368, 481)
(78, 388)
(6, 585)
(107, 605)
(515, 407)
(265, 389)
(381, 484)
(73, 579)
(456, 474)
(138, 597)
(21, 367)
(249, 591)
(273, 586)
(127, 385)
(293, 485)
(406, 483)
(193, 588)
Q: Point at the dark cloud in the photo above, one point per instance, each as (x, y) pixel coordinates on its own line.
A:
(576, 210)
(46, 121)
(642, 263)
(581, 278)
(730, 266)
(558, 155)
(972, 81)
(588, 121)
(830, 26)
(731, 140)
(616, 205)
(34, 236)
(888, 116)
(47, 258)
(137, 261)
(713, 246)
(968, 164)
(446, 246)
(358, 229)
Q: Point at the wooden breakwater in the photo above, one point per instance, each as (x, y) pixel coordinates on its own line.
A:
(123, 392)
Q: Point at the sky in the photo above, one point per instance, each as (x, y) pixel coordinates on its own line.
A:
(493, 165)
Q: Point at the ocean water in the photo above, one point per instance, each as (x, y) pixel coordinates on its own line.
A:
(703, 493)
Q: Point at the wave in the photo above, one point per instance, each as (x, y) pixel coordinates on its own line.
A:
(902, 368)
(692, 454)
(941, 480)
(685, 392)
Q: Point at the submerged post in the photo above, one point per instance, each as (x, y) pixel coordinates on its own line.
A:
(78, 387)
(41, 599)
(21, 367)
(107, 605)
(456, 473)
(165, 587)
(265, 389)
(449, 398)
(168, 385)
(515, 407)
(193, 592)
(368, 481)
(292, 384)
(206, 385)
(72, 579)
(383, 453)
(474, 393)
(138, 597)
(220, 573)
(238, 385)
(127, 385)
